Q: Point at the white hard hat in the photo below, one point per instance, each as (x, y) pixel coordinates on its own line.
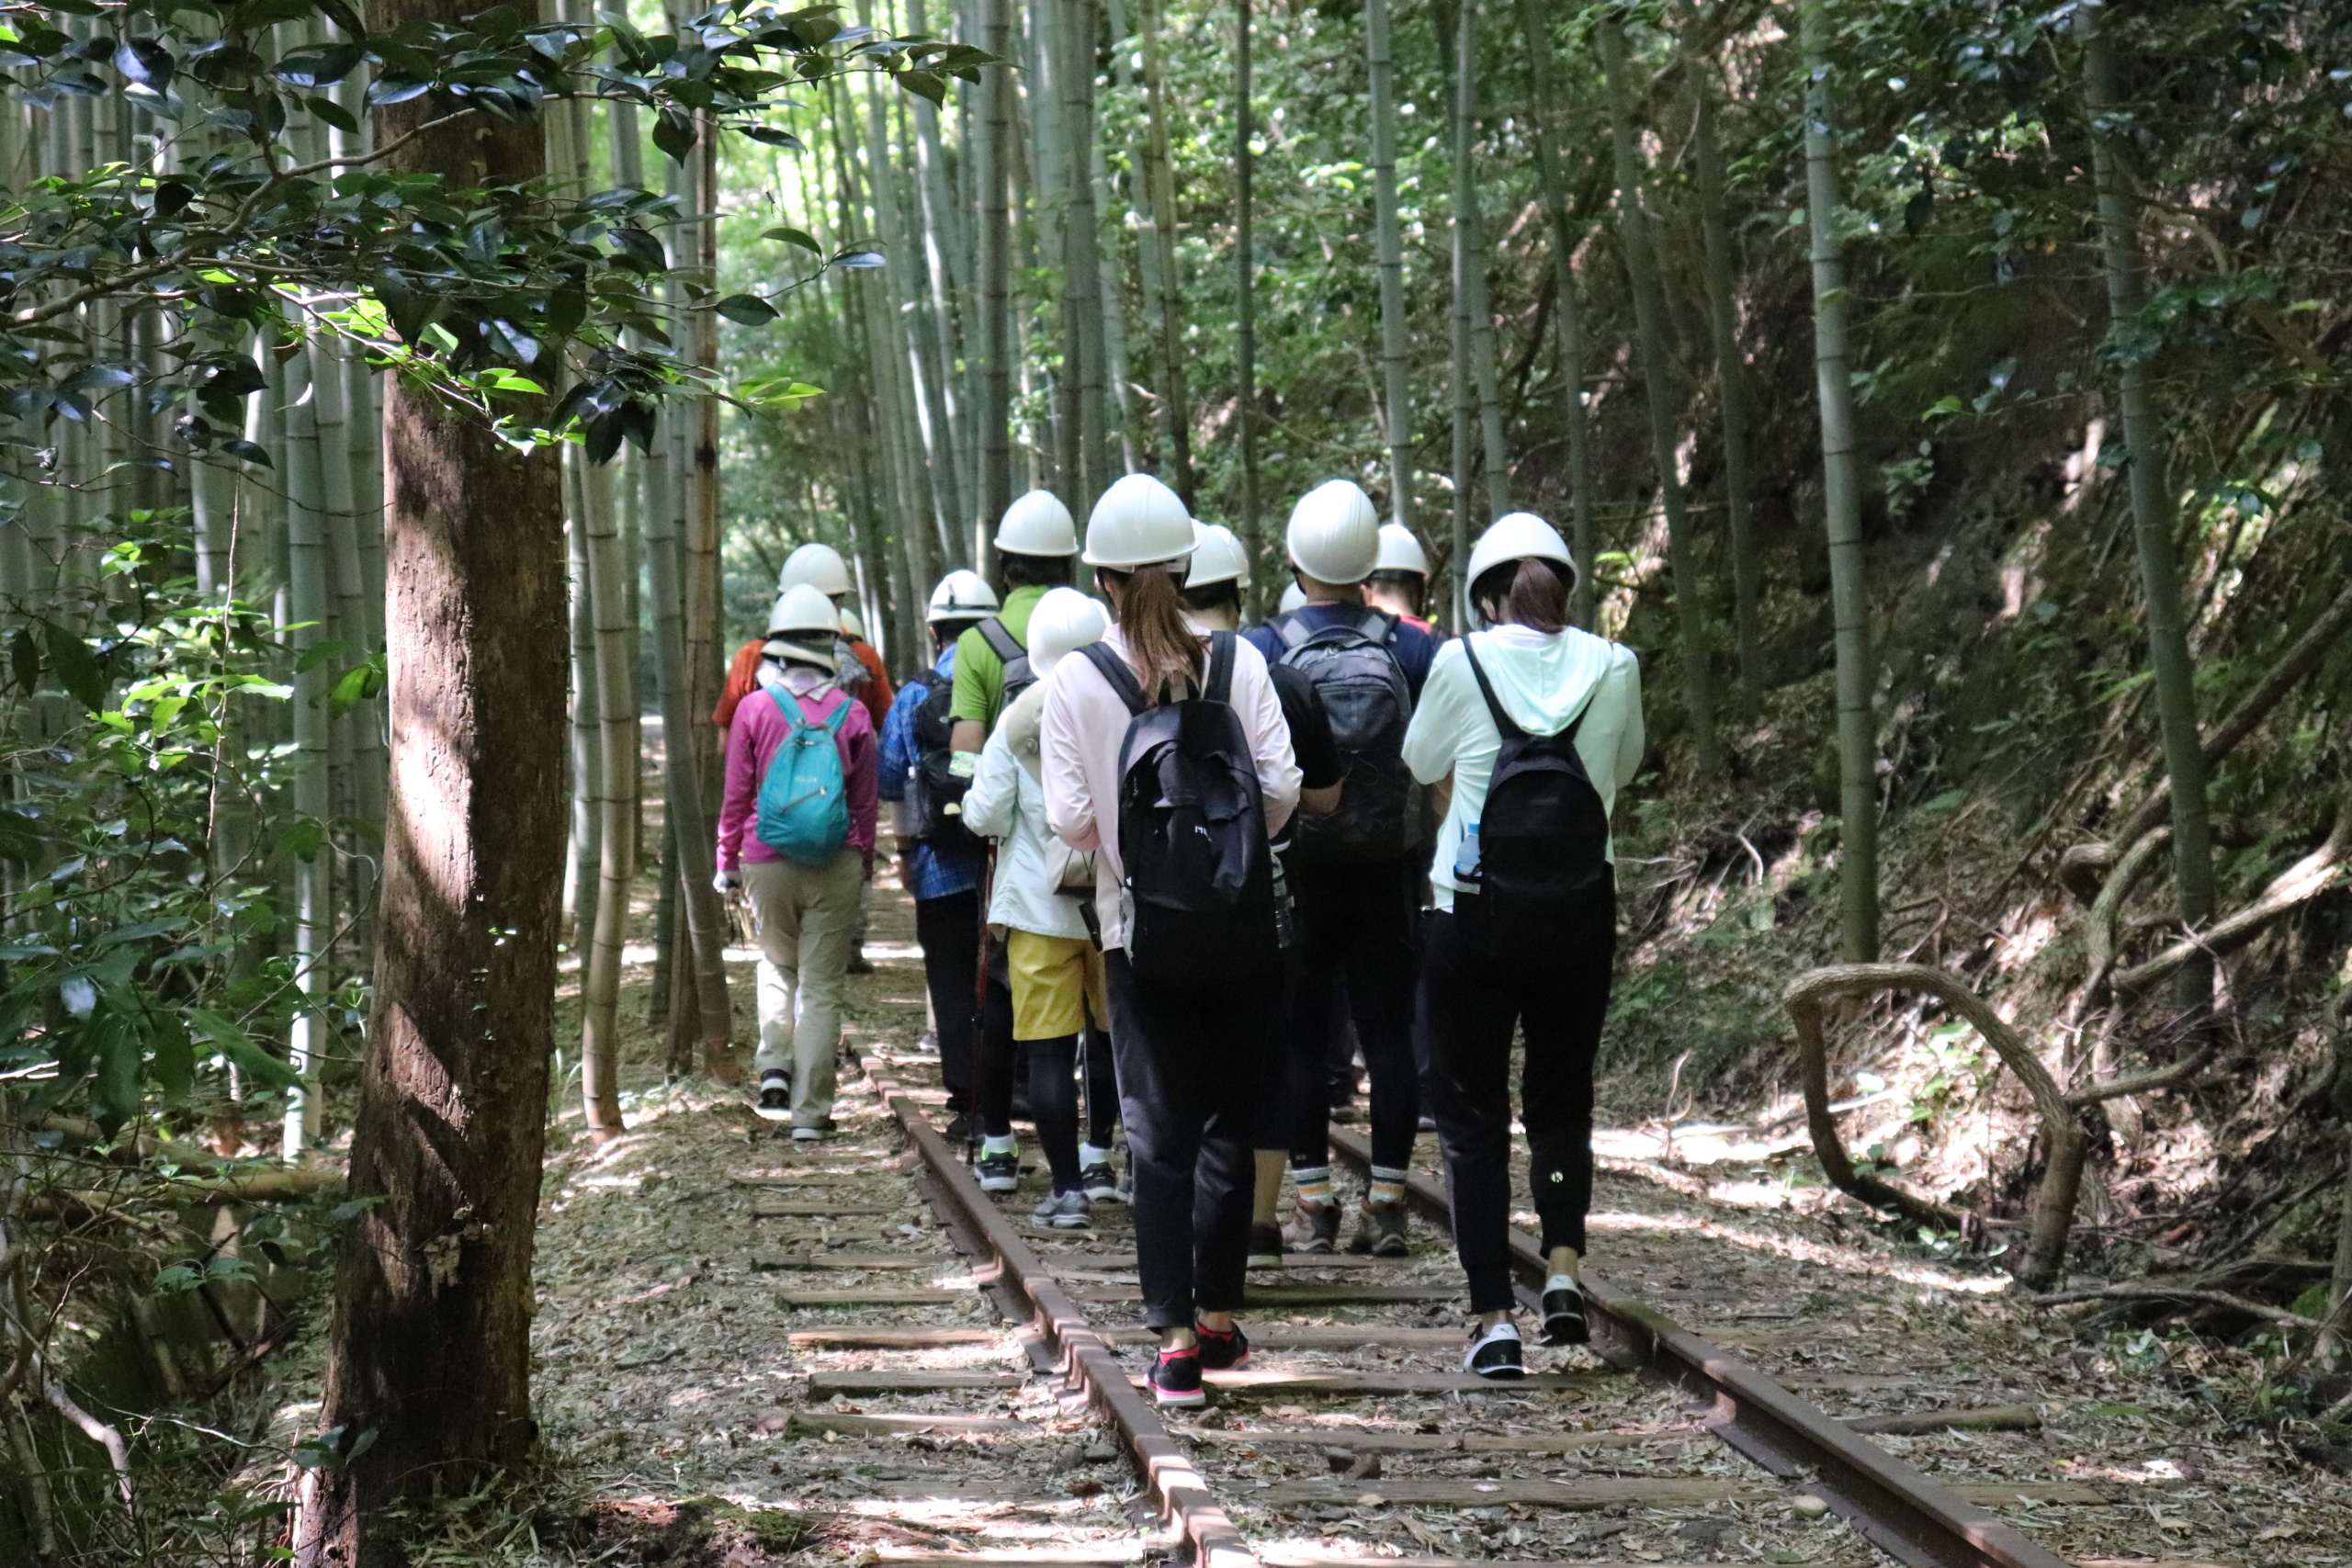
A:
(1137, 521)
(962, 596)
(804, 608)
(1400, 550)
(1217, 557)
(1294, 598)
(1518, 536)
(818, 565)
(1038, 524)
(852, 625)
(1334, 533)
(1063, 622)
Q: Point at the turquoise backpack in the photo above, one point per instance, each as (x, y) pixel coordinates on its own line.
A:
(803, 801)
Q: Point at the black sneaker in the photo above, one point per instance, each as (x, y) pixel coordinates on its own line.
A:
(1101, 1183)
(1000, 1172)
(1318, 1227)
(964, 1129)
(1381, 1231)
(1564, 1321)
(1265, 1246)
(1176, 1379)
(1494, 1353)
(775, 1097)
(1222, 1351)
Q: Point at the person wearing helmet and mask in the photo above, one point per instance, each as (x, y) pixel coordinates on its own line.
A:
(1035, 541)
(1189, 928)
(1213, 602)
(1041, 897)
(1356, 872)
(940, 862)
(819, 567)
(801, 867)
(1527, 730)
(1399, 582)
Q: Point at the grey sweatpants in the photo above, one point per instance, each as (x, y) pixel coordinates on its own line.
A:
(807, 920)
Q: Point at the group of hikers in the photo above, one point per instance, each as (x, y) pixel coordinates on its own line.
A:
(1177, 868)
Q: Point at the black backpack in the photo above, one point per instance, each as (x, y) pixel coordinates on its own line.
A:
(1371, 706)
(1200, 888)
(1018, 674)
(1544, 833)
(935, 787)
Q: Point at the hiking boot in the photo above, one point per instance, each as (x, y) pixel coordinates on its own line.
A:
(1564, 1320)
(1380, 1230)
(1317, 1229)
(1101, 1183)
(1494, 1353)
(1222, 1351)
(1176, 1379)
(1265, 1246)
(776, 1096)
(1000, 1172)
(1062, 1211)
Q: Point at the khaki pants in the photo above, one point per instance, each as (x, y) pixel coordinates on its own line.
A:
(807, 916)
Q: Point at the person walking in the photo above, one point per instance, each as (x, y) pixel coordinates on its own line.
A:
(1212, 603)
(796, 833)
(1035, 541)
(1165, 755)
(818, 565)
(1057, 980)
(941, 861)
(1399, 582)
(1527, 730)
(1356, 872)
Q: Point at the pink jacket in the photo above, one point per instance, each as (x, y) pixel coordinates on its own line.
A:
(759, 728)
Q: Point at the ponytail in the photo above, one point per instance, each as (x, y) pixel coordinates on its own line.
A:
(1529, 592)
(1162, 644)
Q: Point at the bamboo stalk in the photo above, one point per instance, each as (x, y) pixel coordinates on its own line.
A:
(1396, 323)
(308, 607)
(1569, 317)
(1160, 180)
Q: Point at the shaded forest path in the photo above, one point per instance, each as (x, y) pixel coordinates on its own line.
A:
(666, 1369)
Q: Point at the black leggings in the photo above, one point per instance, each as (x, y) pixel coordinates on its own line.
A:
(1053, 1096)
(949, 930)
(1476, 998)
(995, 1053)
(1357, 925)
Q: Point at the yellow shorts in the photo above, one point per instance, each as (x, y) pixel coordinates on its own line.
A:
(1057, 982)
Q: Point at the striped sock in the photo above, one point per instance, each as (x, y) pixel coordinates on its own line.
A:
(1314, 1183)
(1387, 1186)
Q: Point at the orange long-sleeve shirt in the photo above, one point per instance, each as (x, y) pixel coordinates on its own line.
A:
(743, 679)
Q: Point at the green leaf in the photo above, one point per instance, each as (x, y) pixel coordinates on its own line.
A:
(114, 1093)
(173, 1065)
(19, 839)
(924, 82)
(792, 236)
(239, 1047)
(748, 308)
(673, 133)
(76, 667)
(358, 683)
(302, 838)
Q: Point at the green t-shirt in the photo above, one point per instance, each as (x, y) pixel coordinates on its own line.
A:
(979, 674)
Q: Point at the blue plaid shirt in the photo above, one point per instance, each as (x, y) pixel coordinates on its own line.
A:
(938, 875)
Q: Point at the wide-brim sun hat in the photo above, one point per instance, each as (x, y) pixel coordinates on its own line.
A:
(1139, 522)
(1218, 556)
(1518, 536)
(1061, 623)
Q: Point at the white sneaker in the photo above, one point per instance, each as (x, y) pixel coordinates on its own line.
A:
(1494, 1353)
(776, 1096)
(808, 1136)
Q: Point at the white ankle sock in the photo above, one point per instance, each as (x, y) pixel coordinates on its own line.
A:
(1386, 1186)
(1562, 1283)
(1089, 1154)
(1314, 1183)
(1004, 1146)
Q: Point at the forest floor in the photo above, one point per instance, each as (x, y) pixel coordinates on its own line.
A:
(665, 1378)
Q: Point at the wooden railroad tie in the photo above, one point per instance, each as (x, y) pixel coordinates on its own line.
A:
(1640, 1491)
(808, 1423)
(805, 1208)
(1337, 1438)
(876, 1297)
(1315, 1336)
(865, 1337)
(826, 1385)
(1976, 1419)
(773, 1260)
(1258, 1382)
(1262, 1297)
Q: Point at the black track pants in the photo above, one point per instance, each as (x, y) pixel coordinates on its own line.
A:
(1053, 1096)
(1188, 1067)
(949, 930)
(1477, 1000)
(1358, 927)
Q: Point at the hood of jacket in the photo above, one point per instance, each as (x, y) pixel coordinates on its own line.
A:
(1540, 678)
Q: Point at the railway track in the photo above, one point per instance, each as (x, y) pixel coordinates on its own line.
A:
(1353, 1435)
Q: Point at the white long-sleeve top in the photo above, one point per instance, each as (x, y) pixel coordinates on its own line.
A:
(1085, 722)
(1007, 802)
(1541, 679)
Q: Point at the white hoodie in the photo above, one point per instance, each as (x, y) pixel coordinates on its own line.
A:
(1541, 679)
(1007, 802)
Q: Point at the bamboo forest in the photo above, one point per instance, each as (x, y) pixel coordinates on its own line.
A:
(444, 1120)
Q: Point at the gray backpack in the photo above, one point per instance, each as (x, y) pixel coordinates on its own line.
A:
(1365, 690)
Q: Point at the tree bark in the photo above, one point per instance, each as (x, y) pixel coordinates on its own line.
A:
(1159, 178)
(2152, 512)
(1842, 508)
(995, 410)
(1148, 280)
(309, 614)
(1396, 322)
(1245, 299)
(1569, 316)
(1082, 264)
(430, 1348)
(1649, 334)
(1471, 253)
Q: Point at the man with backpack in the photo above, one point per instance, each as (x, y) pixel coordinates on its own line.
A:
(1527, 730)
(1165, 752)
(1035, 541)
(940, 861)
(818, 565)
(1399, 582)
(796, 833)
(1353, 872)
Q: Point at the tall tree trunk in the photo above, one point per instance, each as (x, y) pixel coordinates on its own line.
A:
(1465, 396)
(430, 1349)
(587, 771)
(1470, 274)
(1148, 280)
(1396, 323)
(600, 1035)
(1083, 263)
(705, 659)
(1116, 370)
(1245, 291)
(1843, 506)
(1731, 363)
(309, 614)
(947, 266)
(1569, 313)
(2152, 509)
(1159, 179)
(1649, 334)
(995, 174)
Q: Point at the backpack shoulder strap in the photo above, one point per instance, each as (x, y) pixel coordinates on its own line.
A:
(1000, 640)
(1291, 628)
(1378, 626)
(1114, 671)
(1218, 687)
(1507, 726)
(832, 722)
